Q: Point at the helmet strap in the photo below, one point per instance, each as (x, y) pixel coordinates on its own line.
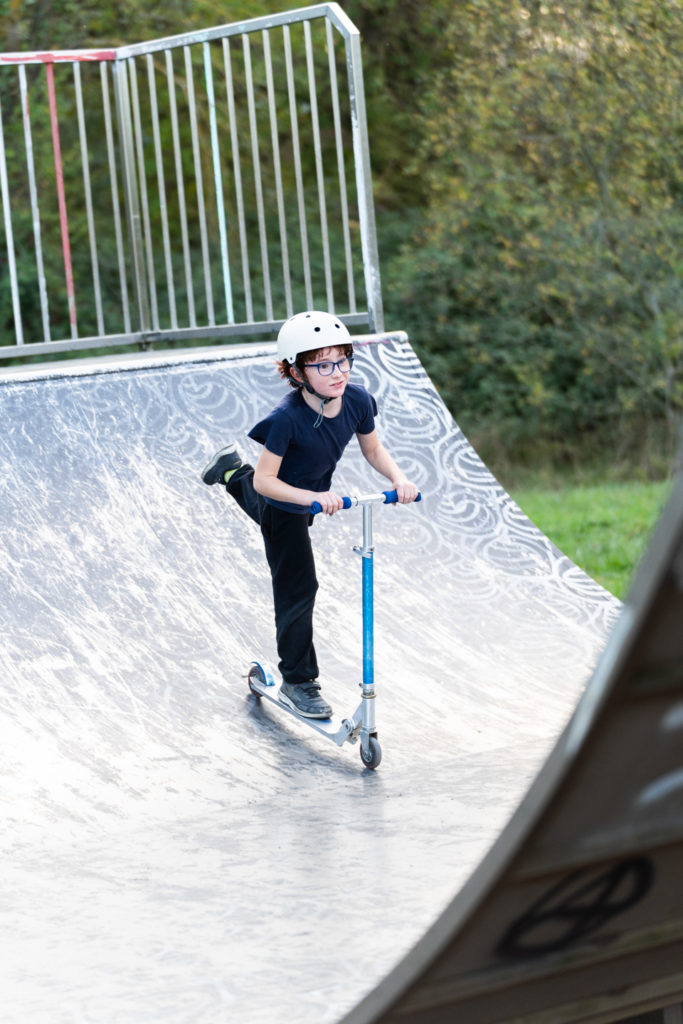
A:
(323, 402)
(303, 383)
(321, 412)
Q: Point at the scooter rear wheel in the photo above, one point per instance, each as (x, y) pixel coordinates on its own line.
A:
(373, 755)
(256, 672)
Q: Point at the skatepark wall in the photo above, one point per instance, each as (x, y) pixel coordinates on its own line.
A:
(577, 912)
(515, 857)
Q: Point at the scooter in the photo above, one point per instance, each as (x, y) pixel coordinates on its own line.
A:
(361, 724)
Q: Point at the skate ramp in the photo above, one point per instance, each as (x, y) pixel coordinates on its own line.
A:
(576, 913)
(174, 851)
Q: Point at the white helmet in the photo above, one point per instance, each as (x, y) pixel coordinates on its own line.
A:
(311, 330)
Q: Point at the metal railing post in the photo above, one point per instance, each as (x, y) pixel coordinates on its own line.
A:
(366, 208)
(130, 191)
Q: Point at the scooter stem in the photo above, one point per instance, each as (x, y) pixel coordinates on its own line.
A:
(368, 601)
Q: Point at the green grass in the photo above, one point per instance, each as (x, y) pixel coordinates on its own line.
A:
(603, 528)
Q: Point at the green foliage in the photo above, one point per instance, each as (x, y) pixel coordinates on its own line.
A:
(604, 529)
(544, 284)
(403, 50)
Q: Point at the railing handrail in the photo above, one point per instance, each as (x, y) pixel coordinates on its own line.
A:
(131, 316)
(332, 11)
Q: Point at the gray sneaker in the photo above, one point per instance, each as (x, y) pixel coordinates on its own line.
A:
(222, 465)
(305, 699)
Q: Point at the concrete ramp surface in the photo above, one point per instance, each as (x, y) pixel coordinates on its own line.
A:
(174, 851)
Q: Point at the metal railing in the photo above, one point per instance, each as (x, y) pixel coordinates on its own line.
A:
(195, 187)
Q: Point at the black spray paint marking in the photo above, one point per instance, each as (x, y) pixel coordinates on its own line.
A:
(576, 907)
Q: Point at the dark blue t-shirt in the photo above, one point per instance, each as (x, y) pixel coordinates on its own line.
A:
(310, 454)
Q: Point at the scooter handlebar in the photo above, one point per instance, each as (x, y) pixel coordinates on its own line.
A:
(384, 498)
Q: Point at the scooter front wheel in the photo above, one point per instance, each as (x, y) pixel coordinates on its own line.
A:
(372, 755)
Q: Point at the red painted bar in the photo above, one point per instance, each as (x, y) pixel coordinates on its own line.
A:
(61, 199)
(59, 57)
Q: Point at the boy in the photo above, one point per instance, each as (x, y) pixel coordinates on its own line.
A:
(303, 439)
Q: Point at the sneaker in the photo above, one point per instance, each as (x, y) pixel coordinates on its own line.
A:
(222, 465)
(305, 699)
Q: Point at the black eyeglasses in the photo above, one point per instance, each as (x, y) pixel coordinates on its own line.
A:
(327, 367)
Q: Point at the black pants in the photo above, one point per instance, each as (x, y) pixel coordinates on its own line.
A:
(292, 569)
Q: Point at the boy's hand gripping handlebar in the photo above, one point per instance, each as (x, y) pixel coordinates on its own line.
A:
(384, 498)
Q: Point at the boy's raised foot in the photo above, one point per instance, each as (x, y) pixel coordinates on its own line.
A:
(222, 465)
(305, 699)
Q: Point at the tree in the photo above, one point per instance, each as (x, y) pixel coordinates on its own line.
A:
(550, 255)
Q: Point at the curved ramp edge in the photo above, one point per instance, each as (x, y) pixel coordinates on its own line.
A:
(576, 913)
(169, 845)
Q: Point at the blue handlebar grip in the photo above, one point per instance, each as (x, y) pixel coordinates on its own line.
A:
(317, 507)
(391, 497)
